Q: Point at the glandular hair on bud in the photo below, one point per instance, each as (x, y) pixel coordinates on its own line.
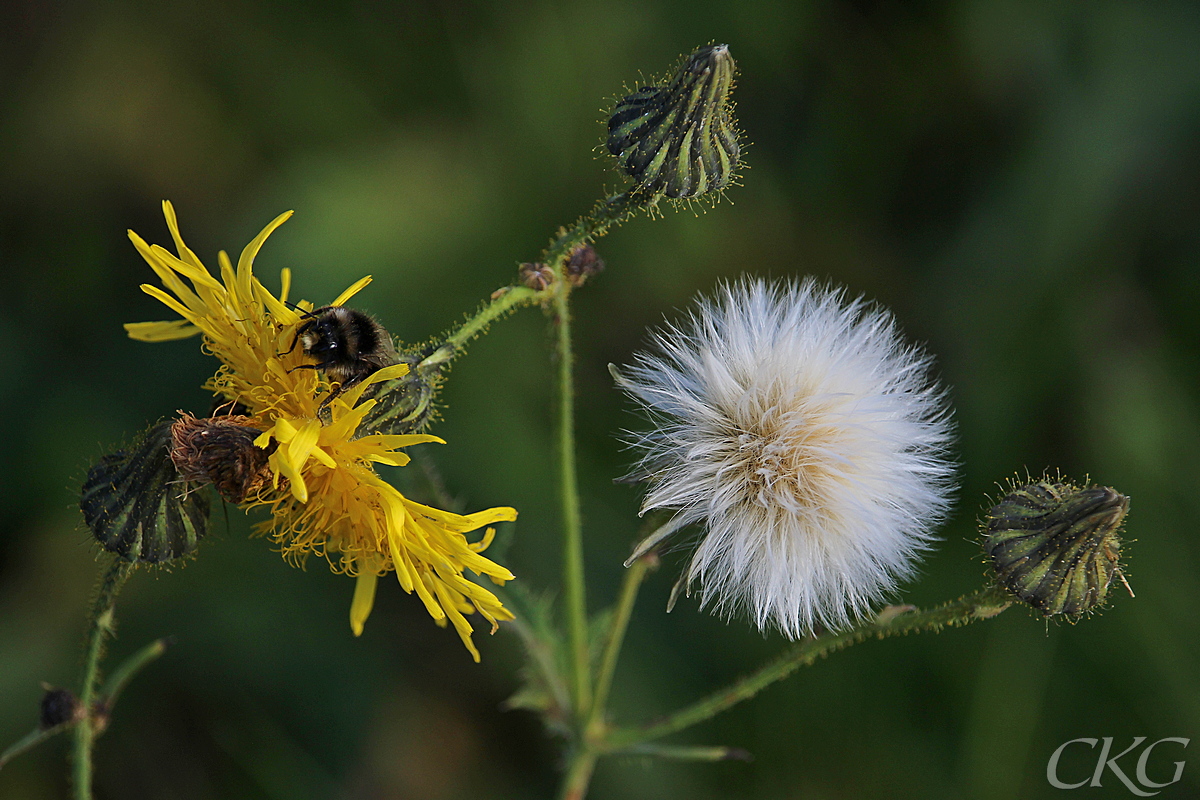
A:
(1055, 545)
(678, 139)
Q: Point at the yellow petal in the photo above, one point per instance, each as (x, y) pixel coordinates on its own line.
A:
(326, 460)
(352, 290)
(460, 522)
(285, 431)
(282, 466)
(160, 331)
(170, 302)
(302, 444)
(173, 225)
(196, 273)
(364, 600)
(246, 260)
(394, 441)
(457, 620)
(352, 396)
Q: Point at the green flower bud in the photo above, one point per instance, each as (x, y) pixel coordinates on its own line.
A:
(405, 404)
(138, 506)
(1056, 546)
(679, 139)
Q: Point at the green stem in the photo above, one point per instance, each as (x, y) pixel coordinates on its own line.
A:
(130, 667)
(31, 740)
(101, 627)
(688, 753)
(983, 604)
(613, 641)
(579, 774)
(506, 300)
(605, 215)
(573, 577)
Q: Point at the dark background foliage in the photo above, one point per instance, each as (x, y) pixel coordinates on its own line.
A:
(1018, 181)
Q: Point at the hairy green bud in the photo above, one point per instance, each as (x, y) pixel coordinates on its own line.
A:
(138, 506)
(405, 404)
(1056, 546)
(678, 139)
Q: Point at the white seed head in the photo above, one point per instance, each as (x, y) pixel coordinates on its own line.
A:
(806, 439)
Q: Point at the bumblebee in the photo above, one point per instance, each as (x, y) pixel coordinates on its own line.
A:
(349, 346)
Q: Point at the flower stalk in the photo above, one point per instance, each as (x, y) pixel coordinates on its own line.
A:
(503, 301)
(983, 604)
(605, 215)
(101, 627)
(573, 569)
(613, 640)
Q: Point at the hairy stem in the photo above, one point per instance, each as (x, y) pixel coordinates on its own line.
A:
(124, 673)
(579, 774)
(101, 626)
(983, 604)
(612, 644)
(573, 572)
(31, 740)
(504, 301)
(604, 216)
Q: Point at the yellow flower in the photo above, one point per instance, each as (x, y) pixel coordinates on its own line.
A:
(326, 497)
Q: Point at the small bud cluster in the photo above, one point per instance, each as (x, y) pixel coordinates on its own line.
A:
(535, 275)
(582, 264)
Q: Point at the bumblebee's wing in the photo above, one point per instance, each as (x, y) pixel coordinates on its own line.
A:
(138, 507)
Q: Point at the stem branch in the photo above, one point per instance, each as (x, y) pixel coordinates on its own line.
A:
(102, 624)
(507, 299)
(124, 673)
(579, 775)
(984, 604)
(613, 641)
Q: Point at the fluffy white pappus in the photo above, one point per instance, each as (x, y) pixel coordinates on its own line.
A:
(809, 442)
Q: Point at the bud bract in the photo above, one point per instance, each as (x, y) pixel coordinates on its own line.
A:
(138, 506)
(1056, 546)
(678, 139)
(405, 404)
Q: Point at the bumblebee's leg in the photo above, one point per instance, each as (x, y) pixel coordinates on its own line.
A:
(295, 339)
(338, 388)
(305, 366)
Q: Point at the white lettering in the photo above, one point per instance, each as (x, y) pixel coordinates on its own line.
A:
(1144, 779)
(1111, 763)
(1052, 766)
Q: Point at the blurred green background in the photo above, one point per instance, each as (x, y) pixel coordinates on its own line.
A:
(1018, 181)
